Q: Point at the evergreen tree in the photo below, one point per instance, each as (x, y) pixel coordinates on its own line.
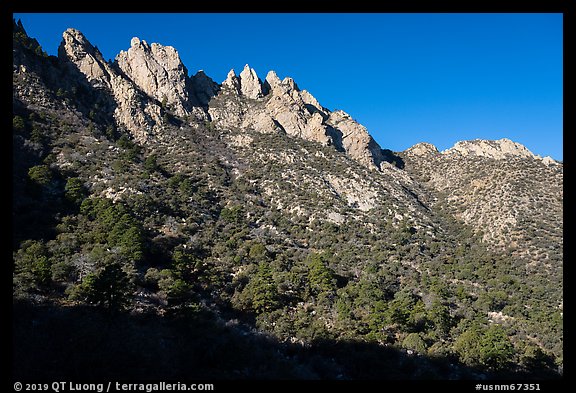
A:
(108, 287)
(31, 266)
(40, 174)
(261, 293)
(74, 190)
(320, 277)
(468, 346)
(496, 350)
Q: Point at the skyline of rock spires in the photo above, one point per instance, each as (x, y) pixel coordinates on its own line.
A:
(158, 72)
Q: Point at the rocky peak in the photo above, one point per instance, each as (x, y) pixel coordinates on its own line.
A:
(423, 149)
(204, 87)
(75, 48)
(75, 43)
(285, 87)
(134, 110)
(311, 102)
(271, 81)
(496, 149)
(290, 83)
(549, 161)
(250, 85)
(232, 82)
(355, 139)
(283, 106)
(159, 72)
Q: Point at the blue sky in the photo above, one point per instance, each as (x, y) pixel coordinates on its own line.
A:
(408, 78)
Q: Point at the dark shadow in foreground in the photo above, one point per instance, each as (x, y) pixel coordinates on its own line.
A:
(84, 343)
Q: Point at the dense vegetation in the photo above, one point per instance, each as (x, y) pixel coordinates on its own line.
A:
(249, 260)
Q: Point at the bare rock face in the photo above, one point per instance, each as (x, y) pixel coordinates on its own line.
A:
(549, 161)
(159, 72)
(311, 103)
(355, 139)
(279, 105)
(285, 105)
(150, 79)
(423, 149)
(232, 82)
(289, 107)
(250, 85)
(494, 149)
(261, 121)
(301, 115)
(499, 149)
(317, 131)
(86, 57)
(134, 110)
(271, 81)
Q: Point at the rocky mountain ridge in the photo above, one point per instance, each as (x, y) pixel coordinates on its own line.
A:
(147, 79)
(475, 176)
(496, 149)
(157, 71)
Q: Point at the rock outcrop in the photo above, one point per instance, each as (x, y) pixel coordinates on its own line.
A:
(311, 103)
(355, 139)
(423, 149)
(133, 109)
(148, 80)
(271, 81)
(232, 82)
(88, 59)
(498, 149)
(159, 72)
(279, 105)
(250, 85)
(549, 161)
(286, 106)
(204, 88)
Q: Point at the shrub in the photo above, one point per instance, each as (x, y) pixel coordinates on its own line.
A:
(260, 294)
(40, 174)
(74, 190)
(31, 266)
(18, 124)
(414, 342)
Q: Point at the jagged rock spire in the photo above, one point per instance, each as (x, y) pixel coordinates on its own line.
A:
(232, 82)
(250, 85)
(159, 72)
(204, 87)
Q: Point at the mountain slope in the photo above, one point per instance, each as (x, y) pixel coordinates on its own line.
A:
(248, 208)
(512, 197)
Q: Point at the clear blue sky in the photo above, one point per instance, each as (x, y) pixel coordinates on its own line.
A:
(408, 78)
